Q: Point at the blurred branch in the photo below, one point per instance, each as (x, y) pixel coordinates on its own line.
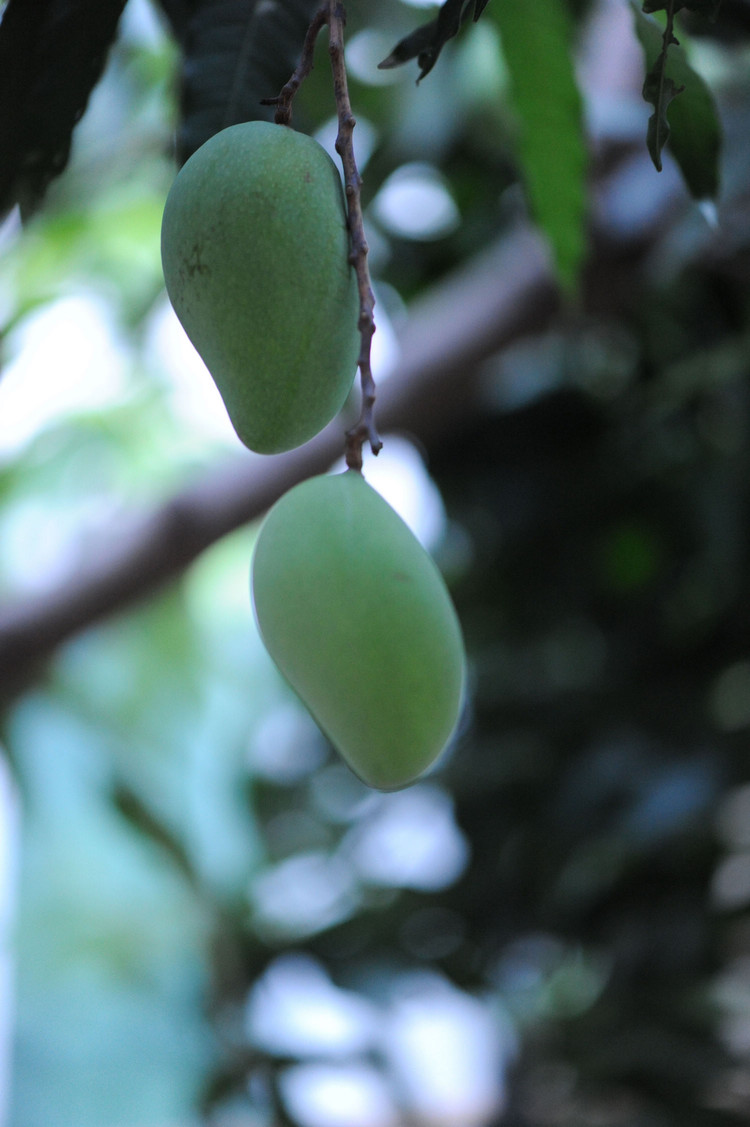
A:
(498, 297)
(494, 299)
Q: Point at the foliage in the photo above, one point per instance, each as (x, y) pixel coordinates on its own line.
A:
(235, 54)
(426, 43)
(536, 41)
(694, 128)
(216, 921)
(51, 56)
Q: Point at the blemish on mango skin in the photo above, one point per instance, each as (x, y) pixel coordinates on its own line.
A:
(194, 263)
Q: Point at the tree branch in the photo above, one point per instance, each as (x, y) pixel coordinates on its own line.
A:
(505, 293)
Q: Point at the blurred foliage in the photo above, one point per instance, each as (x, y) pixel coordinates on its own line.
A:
(537, 40)
(51, 57)
(217, 923)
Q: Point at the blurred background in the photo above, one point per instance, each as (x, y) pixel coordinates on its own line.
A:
(205, 918)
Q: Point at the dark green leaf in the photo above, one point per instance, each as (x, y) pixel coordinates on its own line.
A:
(693, 126)
(52, 54)
(659, 90)
(416, 45)
(660, 94)
(237, 52)
(426, 43)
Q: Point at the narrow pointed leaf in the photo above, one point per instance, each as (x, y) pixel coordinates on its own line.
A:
(659, 90)
(426, 43)
(536, 38)
(420, 42)
(693, 126)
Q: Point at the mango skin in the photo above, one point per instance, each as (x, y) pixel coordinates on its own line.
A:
(356, 616)
(255, 253)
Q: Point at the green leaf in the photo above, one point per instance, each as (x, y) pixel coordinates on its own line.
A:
(536, 37)
(420, 45)
(426, 43)
(693, 125)
(660, 90)
(237, 52)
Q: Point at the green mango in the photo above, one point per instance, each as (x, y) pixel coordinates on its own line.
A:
(356, 616)
(255, 251)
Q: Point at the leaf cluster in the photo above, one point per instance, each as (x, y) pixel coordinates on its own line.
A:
(236, 54)
(694, 127)
(426, 43)
(598, 504)
(53, 53)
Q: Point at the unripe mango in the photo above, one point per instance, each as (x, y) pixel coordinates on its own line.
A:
(255, 252)
(356, 616)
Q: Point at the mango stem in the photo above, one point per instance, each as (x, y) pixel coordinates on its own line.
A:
(332, 13)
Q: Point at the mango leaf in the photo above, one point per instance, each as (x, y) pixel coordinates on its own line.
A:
(536, 40)
(693, 127)
(420, 44)
(426, 43)
(236, 52)
(659, 89)
(52, 54)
